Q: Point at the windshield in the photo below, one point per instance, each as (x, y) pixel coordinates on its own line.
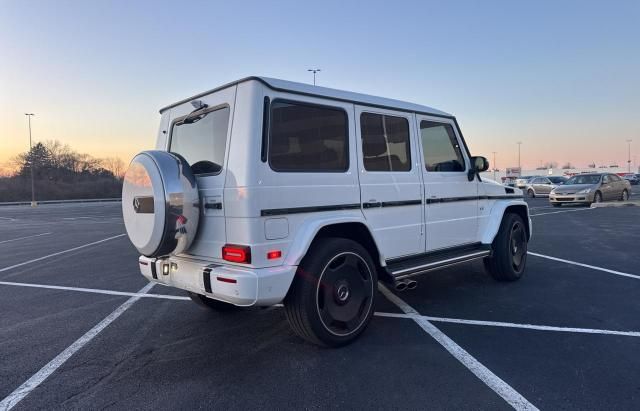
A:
(202, 142)
(583, 180)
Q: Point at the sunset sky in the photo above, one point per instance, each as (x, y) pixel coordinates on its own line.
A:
(562, 77)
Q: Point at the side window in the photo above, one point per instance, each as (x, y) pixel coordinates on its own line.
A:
(308, 138)
(441, 149)
(605, 179)
(385, 142)
(545, 181)
(614, 178)
(535, 181)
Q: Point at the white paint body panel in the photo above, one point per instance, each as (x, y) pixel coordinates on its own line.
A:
(247, 186)
(450, 223)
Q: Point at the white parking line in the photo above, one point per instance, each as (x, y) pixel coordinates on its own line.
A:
(515, 325)
(563, 211)
(32, 383)
(504, 390)
(23, 238)
(7, 218)
(96, 291)
(59, 253)
(377, 313)
(593, 267)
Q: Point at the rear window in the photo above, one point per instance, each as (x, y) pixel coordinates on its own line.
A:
(308, 138)
(385, 142)
(202, 141)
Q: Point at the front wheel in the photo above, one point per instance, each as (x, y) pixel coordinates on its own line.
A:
(624, 196)
(597, 197)
(332, 297)
(509, 258)
(531, 193)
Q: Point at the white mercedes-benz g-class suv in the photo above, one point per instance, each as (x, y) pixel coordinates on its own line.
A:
(265, 191)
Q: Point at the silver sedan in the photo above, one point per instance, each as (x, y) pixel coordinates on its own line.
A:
(590, 188)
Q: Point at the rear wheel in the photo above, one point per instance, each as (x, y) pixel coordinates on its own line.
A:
(210, 303)
(509, 257)
(332, 297)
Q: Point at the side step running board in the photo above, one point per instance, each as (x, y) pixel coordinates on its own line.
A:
(404, 268)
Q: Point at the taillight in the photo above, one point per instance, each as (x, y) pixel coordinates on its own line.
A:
(236, 253)
(273, 255)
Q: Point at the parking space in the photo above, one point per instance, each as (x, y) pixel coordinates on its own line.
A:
(565, 336)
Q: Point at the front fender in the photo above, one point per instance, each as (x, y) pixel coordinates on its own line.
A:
(495, 218)
(308, 230)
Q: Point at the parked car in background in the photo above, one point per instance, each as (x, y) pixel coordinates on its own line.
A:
(539, 186)
(591, 188)
(522, 181)
(558, 180)
(633, 179)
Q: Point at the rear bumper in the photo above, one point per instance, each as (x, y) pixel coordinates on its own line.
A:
(235, 285)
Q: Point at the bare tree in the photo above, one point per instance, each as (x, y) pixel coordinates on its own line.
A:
(115, 165)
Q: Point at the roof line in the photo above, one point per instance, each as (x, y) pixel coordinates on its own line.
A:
(304, 93)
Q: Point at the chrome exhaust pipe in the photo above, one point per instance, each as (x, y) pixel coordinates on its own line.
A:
(401, 285)
(411, 284)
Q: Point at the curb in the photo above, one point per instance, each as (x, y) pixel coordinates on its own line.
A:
(616, 204)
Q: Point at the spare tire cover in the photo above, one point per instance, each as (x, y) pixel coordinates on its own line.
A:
(160, 203)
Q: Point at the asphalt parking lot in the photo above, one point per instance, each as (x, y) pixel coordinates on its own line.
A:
(80, 328)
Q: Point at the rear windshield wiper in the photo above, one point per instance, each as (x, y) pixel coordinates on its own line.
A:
(192, 117)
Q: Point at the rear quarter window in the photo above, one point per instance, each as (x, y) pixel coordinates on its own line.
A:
(308, 138)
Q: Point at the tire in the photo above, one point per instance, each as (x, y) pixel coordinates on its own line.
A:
(597, 197)
(509, 258)
(556, 204)
(332, 298)
(211, 304)
(624, 196)
(531, 193)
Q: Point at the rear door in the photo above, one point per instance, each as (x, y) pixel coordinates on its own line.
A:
(202, 136)
(451, 199)
(390, 182)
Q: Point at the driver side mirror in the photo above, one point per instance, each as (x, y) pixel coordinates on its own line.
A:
(478, 165)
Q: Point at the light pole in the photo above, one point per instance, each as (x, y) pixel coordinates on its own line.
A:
(494, 166)
(629, 156)
(519, 166)
(33, 190)
(314, 71)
